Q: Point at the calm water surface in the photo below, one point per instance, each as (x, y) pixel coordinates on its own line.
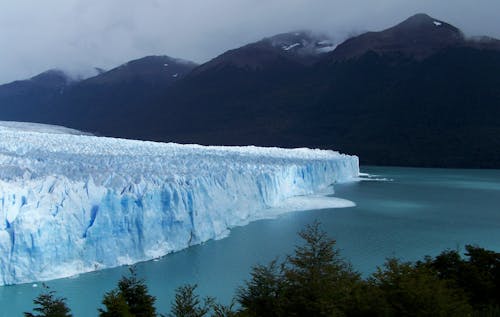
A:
(416, 212)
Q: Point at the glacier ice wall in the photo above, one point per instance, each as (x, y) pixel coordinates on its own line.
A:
(72, 203)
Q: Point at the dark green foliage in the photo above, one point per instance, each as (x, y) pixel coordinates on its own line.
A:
(478, 275)
(48, 305)
(314, 281)
(131, 298)
(410, 290)
(187, 303)
(135, 292)
(318, 280)
(263, 294)
(116, 305)
(220, 310)
(366, 299)
(481, 276)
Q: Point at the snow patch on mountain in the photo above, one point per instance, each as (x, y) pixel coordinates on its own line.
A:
(289, 47)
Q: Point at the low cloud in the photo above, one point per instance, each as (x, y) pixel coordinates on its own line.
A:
(77, 35)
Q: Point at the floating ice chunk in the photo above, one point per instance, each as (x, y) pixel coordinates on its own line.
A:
(314, 202)
(373, 177)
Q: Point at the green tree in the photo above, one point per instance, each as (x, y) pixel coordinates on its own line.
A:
(116, 305)
(481, 276)
(319, 282)
(478, 275)
(314, 281)
(263, 294)
(220, 310)
(367, 299)
(131, 298)
(48, 305)
(414, 290)
(187, 303)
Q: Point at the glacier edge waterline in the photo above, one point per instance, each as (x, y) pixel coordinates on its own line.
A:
(71, 204)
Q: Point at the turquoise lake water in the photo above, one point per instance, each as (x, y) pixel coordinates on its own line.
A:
(413, 213)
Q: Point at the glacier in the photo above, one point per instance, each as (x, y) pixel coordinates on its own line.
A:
(73, 203)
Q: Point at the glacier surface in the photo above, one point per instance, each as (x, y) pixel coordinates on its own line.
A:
(74, 203)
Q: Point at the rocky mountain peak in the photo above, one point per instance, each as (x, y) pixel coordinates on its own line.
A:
(419, 36)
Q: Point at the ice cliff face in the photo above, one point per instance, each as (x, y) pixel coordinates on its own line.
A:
(75, 203)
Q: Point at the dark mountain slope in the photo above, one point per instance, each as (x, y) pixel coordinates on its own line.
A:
(227, 95)
(282, 50)
(419, 37)
(31, 99)
(418, 94)
(114, 102)
(433, 104)
(441, 111)
(155, 70)
(105, 104)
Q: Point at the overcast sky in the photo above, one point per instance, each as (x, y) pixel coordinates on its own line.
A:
(77, 35)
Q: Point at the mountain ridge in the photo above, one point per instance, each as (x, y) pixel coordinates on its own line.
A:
(382, 95)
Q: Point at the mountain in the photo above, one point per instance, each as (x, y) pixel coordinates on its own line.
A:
(418, 37)
(217, 99)
(53, 78)
(419, 94)
(112, 102)
(22, 100)
(421, 87)
(155, 70)
(282, 50)
(103, 104)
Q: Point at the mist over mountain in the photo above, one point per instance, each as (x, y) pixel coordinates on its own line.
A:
(287, 49)
(419, 93)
